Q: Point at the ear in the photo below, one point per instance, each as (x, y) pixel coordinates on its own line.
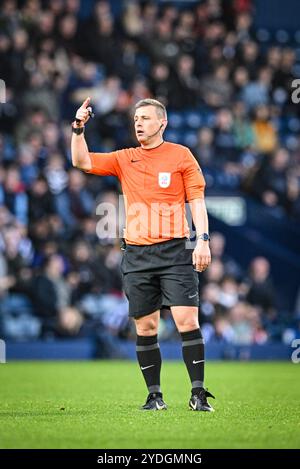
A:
(164, 124)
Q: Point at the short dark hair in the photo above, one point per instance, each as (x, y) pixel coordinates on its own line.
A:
(160, 108)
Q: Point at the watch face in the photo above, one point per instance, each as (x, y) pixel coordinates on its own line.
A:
(205, 237)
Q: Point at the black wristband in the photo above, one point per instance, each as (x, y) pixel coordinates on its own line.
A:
(77, 130)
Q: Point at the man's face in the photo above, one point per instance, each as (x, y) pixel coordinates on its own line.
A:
(147, 123)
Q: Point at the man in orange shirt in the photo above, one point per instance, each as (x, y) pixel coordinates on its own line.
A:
(157, 178)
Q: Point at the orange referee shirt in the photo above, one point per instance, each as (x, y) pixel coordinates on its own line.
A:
(155, 183)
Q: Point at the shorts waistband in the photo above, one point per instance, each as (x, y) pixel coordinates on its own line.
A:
(160, 243)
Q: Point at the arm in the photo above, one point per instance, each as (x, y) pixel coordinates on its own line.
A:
(194, 184)
(80, 152)
(201, 254)
(102, 164)
(79, 149)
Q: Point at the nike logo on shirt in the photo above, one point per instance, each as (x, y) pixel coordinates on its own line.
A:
(199, 361)
(135, 161)
(145, 367)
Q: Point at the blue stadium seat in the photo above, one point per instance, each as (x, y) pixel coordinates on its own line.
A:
(209, 119)
(290, 141)
(293, 124)
(193, 119)
(190, 139)
(282, 36)
(263, 35)
(175, 120)
(172, 136)
(296, 70)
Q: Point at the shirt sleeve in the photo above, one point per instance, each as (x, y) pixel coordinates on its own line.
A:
(104, 164)
(193, 179)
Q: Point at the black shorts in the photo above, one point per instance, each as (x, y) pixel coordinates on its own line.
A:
(159, 275)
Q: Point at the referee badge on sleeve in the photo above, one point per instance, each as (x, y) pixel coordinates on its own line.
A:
(164, 179)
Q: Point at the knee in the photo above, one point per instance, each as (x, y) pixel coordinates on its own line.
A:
(146, 327)
(188, 324)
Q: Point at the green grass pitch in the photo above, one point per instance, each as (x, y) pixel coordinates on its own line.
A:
(96, 405)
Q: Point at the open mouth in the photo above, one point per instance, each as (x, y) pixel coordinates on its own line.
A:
(139, 132)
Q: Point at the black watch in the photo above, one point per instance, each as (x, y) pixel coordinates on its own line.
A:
(77, 130)
(204, 237)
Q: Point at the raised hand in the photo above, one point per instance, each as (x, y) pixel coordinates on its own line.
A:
(83, 113)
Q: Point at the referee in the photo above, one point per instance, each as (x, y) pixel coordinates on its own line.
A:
(157, 179)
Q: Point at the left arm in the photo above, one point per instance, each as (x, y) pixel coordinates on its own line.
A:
(194, 184)
(201, 254)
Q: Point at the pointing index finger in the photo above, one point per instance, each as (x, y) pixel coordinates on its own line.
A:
(86, 102)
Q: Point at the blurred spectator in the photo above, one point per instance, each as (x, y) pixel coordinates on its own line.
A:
(257, 93)
(271, 180)
(240, 80)
(229, 293)
(242, 128)
(218, 251)
(132, 19)
(185, 84)
(75, 202)
(264, 131)
(41, 201)
(249, 58)
(216, 89)
(55, 173)
(52, 300)
(161, 46)
(225, 141)
(246, 325)
(260, 286)
(13, 196)
(205, 151)
(161, 83)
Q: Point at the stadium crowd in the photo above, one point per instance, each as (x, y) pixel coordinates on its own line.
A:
(228, 96)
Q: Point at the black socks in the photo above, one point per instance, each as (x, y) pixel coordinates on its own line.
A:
(149, 358)
(193, 355)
